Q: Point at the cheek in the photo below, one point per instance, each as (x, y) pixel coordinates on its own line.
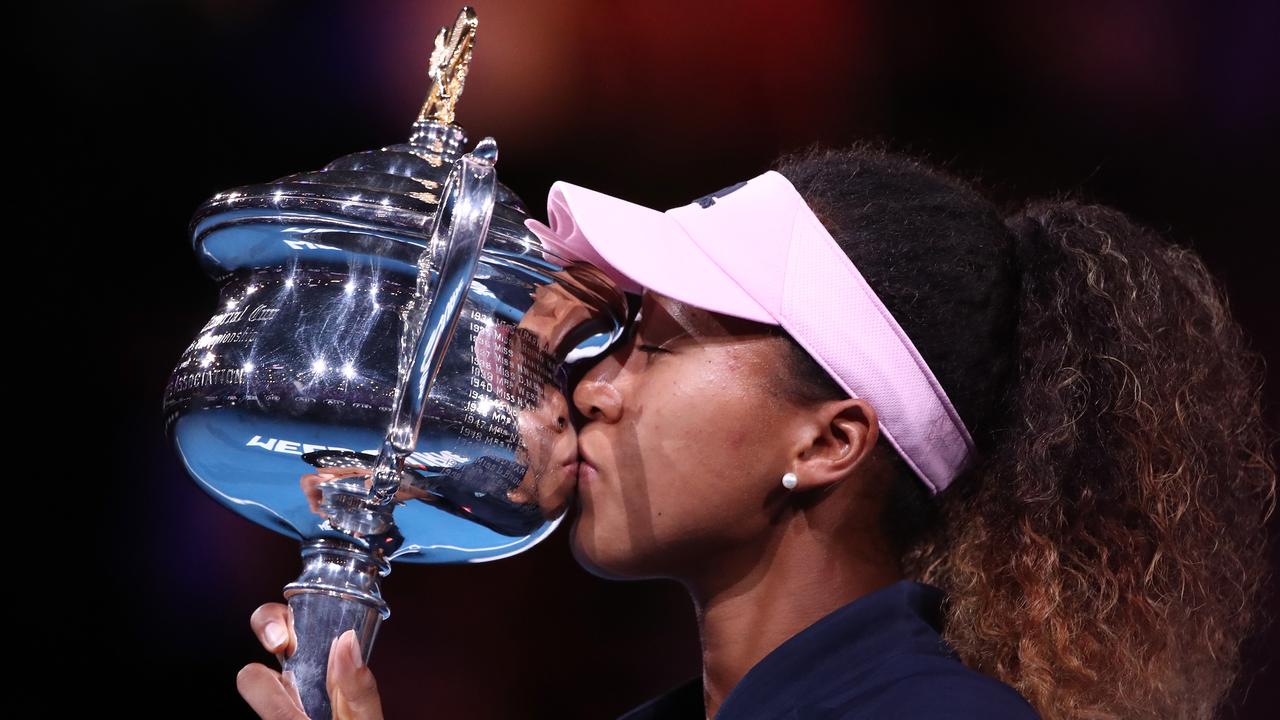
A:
(697, 440)
(694, 421)
(705, 440)
(721, 410)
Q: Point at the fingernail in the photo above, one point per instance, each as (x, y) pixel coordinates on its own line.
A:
(276, 635)
(357, 659)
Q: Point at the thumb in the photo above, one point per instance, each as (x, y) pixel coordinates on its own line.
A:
(353, 692)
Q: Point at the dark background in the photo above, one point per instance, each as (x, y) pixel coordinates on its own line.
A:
(1167, 111)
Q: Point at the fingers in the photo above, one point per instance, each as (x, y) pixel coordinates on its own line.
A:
(311, 492)
(265, 691)
(273, 624)
(353, 692)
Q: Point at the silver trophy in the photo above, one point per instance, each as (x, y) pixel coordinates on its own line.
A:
(390, 321)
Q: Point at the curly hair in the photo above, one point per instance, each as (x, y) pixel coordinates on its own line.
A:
(1106, 556)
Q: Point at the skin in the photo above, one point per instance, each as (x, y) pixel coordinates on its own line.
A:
(690, 444)
(689, 437)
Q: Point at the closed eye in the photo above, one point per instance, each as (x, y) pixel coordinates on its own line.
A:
(651, 349)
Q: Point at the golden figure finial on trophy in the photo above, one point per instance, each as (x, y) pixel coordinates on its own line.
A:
(448, 71)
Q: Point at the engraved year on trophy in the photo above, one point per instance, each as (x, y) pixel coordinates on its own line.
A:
(388, 319)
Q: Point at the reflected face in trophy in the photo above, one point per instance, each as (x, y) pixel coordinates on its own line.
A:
(550, 450)
(684, 431)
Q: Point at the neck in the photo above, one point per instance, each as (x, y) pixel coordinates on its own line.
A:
(761, 597)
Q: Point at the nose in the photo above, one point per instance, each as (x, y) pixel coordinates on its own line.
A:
(596, 396)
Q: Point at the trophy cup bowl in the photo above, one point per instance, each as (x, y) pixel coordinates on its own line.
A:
(302, 356)
(390, 321)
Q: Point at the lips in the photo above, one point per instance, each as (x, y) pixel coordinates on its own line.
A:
(587, 471)
(579, 468)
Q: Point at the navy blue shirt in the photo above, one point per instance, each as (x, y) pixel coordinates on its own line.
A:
(879, 656)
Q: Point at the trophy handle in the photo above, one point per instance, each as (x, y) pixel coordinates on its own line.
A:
(339, 587)
(457, 236)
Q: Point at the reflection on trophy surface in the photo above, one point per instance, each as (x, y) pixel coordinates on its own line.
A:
(385, 376)
(521, 378)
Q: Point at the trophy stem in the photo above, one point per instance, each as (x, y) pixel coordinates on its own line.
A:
(338, 590)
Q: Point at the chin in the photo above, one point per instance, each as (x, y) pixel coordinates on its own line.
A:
(585, 544)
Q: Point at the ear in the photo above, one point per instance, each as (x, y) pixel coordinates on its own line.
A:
(841, 434)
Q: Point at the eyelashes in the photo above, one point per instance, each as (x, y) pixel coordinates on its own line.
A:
(632, 333)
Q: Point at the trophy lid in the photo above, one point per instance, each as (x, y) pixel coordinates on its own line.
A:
(394, 189)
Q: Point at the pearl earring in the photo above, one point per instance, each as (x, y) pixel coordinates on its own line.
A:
(789, 481)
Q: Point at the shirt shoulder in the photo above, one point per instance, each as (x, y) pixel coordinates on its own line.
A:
(927, 688)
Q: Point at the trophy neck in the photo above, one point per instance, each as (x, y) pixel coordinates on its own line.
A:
(437, 141)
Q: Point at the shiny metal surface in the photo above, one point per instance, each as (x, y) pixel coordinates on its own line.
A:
(388, 321)
(301, 356)
(445, 272)
(337, 590)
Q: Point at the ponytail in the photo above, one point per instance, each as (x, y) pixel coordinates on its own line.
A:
(1109, 559)
(1106, 556)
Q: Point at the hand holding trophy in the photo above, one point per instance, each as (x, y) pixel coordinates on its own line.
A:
(385, 378)
(350, 685)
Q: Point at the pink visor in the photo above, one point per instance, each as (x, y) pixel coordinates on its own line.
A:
(755, 250)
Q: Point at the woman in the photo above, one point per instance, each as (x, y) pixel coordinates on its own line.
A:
(996, 466)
